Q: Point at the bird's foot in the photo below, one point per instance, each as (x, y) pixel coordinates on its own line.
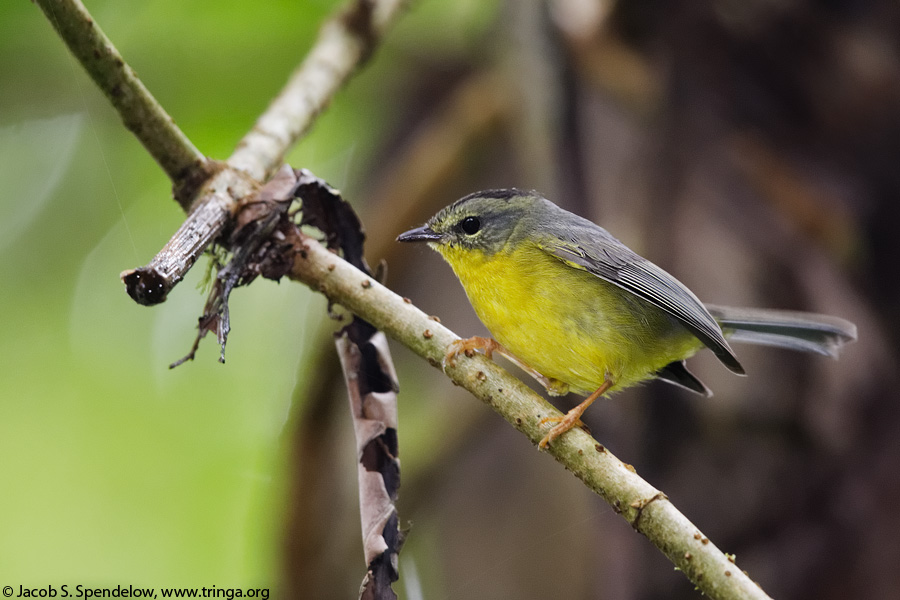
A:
(468, 346)
(573, 417)
(563, 424)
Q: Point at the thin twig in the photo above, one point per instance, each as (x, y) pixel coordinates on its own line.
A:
(140, 112)
(345, 41)
(644, 507)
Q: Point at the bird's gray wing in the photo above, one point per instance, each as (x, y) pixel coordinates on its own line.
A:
(587, 246)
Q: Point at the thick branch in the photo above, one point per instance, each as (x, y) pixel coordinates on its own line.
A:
(646, 508)
(344, 42)
(140, 111)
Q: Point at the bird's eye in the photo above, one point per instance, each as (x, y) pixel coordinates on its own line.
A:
(470, 225)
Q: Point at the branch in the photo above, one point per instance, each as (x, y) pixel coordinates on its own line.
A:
(647, 509)
(268, 235)
(151, 284)
(140, 112)
(345, 41)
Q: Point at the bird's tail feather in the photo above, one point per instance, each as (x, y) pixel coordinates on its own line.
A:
(807, 332)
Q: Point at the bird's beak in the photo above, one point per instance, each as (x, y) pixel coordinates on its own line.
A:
(420, 234)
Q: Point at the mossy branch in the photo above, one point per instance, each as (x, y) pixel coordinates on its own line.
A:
(647, 509)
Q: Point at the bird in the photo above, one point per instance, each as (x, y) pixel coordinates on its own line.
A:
(581, 312)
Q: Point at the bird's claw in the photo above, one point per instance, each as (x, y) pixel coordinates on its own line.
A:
(469, 346)
(573, 417)
(563, 424)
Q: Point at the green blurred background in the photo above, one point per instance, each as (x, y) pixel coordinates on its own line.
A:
(751, 148)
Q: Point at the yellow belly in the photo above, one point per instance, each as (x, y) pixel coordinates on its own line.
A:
(567, 323)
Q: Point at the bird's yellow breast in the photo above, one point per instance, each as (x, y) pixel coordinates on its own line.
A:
(565, 322)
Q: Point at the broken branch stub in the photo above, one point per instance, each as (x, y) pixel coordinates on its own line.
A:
(256, 246)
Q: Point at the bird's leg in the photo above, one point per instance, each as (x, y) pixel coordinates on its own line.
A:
(554, 387)
(573, 417)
